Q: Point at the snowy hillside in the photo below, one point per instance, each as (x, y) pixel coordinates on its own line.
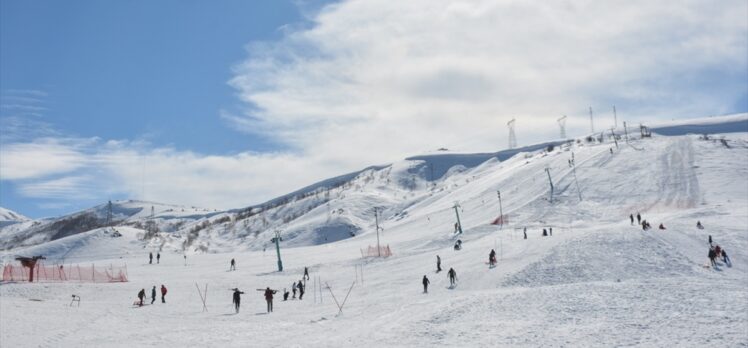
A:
(599, 280)
(9, 217)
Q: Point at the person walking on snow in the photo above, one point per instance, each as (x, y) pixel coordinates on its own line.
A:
(163, 293)
(293, 288)
(631, 216)
(301, 289)
(237, 299)
(525, 232)
(638, 219)
(285, 294)
(141, 296)
(306, 273)
(426, 283)
(438, 264)
(233, 265)
(492, 258)
(710, 239)
(158, 257)
(712, 255)
(269, 298)
(452, 276)
(153, 294)
(150, 258)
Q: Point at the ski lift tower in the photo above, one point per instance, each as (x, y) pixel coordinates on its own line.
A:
(459, 224)
(562, 125)
(277, 240)
(512, 136)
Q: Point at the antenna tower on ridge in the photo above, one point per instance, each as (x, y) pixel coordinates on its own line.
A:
(562, 124)
(512, 136)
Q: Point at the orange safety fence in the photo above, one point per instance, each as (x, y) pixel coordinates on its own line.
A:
(66, 273)
(382, 251)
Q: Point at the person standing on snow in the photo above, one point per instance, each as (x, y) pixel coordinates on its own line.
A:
(710, 239)
(293, 288)
(306, 273)
(150, 258)
(285, 294)
(141, 296)
(158, 257)
(638, 219)
(525, 232)
(438, 264)
(631, 216)
(269, 298)
(492, 258)
(452, 276)
(545, 233)
(153, 294)
(300, 284)
(550, 231)
(426, 283)
(712, 255)
(237, 299)
(163, 293)
(233, 265)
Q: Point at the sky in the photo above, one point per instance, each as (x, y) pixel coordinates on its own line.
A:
(226, 104)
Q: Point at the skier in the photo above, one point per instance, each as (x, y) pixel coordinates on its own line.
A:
(525, 232)
(452, 277)
(726, 259)
(150, 258)
(717, 250)
(492, 258)
(163, 293)
(631, 216)
(158, 257)
(293, 288)
(545, 233)
(426, 283)
(237, 299)
(638, 219)
(301, 289)
(141, 296)
(269, 298)
(233, 265)
(306, 273)
(438, 264)
(285, 294)
(153, 294)
(712, 255)
(699, 225)
(662, 227)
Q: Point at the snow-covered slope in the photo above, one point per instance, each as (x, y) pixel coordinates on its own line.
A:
(9, 217)
(597, 281)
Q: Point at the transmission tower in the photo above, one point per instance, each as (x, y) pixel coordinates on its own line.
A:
(592, 122)
(512, 136)
(562, 124)
(109, 214)
(615, 117)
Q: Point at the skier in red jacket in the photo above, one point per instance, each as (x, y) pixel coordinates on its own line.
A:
(163, 293)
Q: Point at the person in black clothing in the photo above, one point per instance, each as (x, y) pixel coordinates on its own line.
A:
(426, 283)
(710, 239)
(150, 258)
(285, 294)
(550, 231)
(233, 265)
(545, 233)
(631, 216)
(525, 232)
(300, 284)
(638, 219)
(153, 294)
(237, 299)
(438, 264)
(725, 258)
(712, 256)
(699, 225)
(293, 288)
(158, 257)
(141, 296)
(306, 273)
(269, 298)
(492, 258)
(452, 276)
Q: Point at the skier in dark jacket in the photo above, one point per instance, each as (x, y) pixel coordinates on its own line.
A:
(426, 283)
(158, 257)
(725, 258)
(141, 296)
(150, 258)
(237, 299)
(545, 233)
(712, 256)
(492, 257)
(710, 239)
(300, 285)
(438, 264)
(269, 298)
(638, 219)
(285, 294)
(452, 276)
(153, 294)
(631, 216)
(233, 265)
(163, 293)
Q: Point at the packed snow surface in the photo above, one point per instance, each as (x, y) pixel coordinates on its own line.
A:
(597, 281)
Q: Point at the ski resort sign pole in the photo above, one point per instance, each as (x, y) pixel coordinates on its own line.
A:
(278, 251)
(501, 211)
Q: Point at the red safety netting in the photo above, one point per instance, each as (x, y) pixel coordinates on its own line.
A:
(66, 273)
(383, 251)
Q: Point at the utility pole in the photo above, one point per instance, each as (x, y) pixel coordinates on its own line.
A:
(376, 220)
(574, 170)
(550, 181)
(615, 117)
(625, 131)
(501, 210)
(459, 224)
(592, 122)
(278, 251)
(109, 214)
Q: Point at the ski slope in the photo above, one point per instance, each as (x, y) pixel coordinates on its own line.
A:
(598, 281)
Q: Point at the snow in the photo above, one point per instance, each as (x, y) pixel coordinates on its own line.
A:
(598, 281)
(9, 217)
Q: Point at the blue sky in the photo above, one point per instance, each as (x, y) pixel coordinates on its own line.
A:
(224, 104)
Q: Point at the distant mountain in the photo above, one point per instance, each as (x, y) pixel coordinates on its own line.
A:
(9, 217)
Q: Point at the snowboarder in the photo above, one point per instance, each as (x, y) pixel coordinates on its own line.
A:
(158, 257)
(545, 233)
(492, 258)
(306, 273)
(525, 232)
(285, 294)
(153, 294)
(163, 293)
(712, 255)
(293, 288)
(301, 289)
(699, 225)
(662, 227)
(438, 264)
(638, 219)
(269, 298)
(426, 283)
(150, 258)
(237, 299)
(452, 276)
(726, 259)
(141, 296)
(631, 216)
(233, 265)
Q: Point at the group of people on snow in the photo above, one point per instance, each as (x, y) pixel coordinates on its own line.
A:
(715, 252)
(158, 258)
(269, 293)
(141, 295)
